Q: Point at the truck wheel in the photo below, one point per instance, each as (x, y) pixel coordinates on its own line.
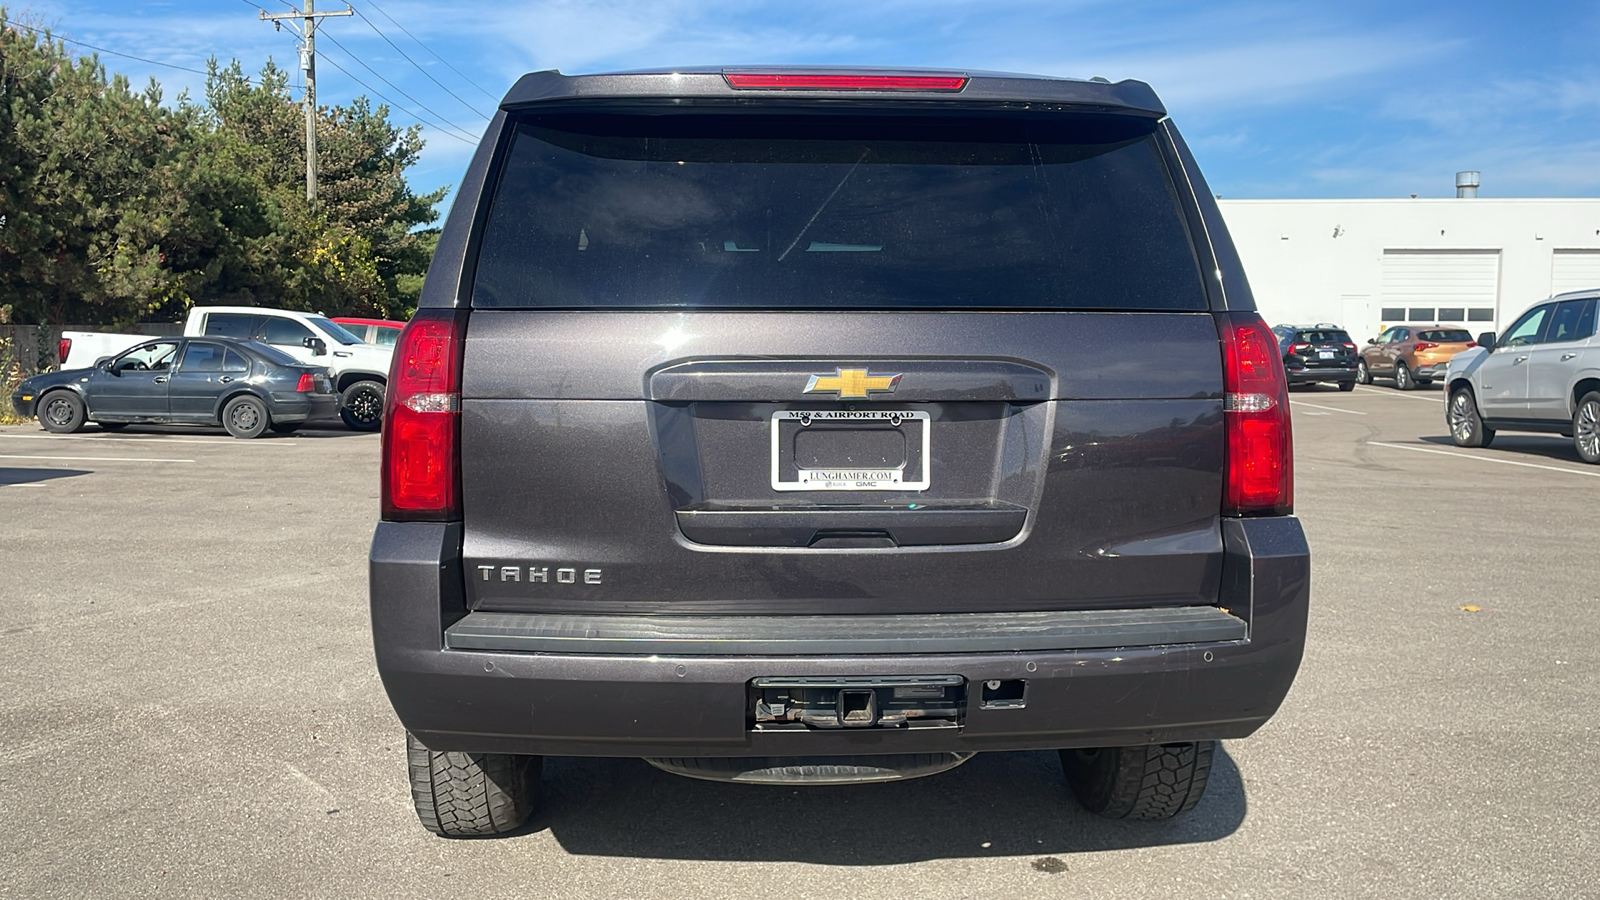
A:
(470, 794)
(245, 417)
(1466, 426)
(61, 412)
(1586, 427)
(1402, 377)
(1362, 375)
(361, 406)
(1156, 781)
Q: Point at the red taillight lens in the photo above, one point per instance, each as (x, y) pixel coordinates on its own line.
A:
(308, 383)
(1424, 345)
(63, 347)
(1471, 344)
(1260, 452)
(781, 81)
(421, 420)
(1349, 346)
(1300, 348)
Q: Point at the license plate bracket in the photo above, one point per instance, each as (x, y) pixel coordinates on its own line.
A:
(851, 450)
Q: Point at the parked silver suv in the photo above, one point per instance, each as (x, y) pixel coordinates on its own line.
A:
(1542, 375)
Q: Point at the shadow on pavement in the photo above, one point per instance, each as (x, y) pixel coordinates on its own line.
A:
(9, 475)
(1547, 446)
(999, 804)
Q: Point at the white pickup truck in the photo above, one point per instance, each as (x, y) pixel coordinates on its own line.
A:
(359, 370)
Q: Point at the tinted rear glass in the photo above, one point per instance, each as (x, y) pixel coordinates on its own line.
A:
(1323, 337)
(1445, 335)
(834, 213)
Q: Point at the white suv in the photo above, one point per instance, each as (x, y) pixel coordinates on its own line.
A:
(1543, 375)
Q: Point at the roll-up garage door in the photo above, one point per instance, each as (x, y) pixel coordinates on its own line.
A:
(1574, 270)
(1427, 286)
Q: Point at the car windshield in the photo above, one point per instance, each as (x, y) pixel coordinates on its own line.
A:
(822, 212)
(1446, 335)
(272, 354)
(335, 330)
(1324, 337)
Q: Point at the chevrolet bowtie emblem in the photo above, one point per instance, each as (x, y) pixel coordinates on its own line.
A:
(852, 384)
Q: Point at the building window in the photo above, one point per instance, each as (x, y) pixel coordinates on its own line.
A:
(1392, 314)
(1422, 314)
(1480, 315)
(1452, 314)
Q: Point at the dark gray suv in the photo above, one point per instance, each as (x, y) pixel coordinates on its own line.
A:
(826, 426)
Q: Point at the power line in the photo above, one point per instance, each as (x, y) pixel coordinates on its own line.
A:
(396, 87)
(53, 36)
(397, 106)
(493, 98)
(418, 67)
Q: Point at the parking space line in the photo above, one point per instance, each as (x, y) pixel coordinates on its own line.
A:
(1503, 462)
(1396, 394)
(148, 440)
(1294, 402)
(101, 459)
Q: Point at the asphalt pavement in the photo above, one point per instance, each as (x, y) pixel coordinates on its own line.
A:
(188, 706)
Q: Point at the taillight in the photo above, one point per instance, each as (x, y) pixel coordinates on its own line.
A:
(1349, 346)
(421, 420)
(63, 347)
(308, 383)
(1300, 348)
(1471, 344)
(811, 81)
(1260, 452)
(1424, 345)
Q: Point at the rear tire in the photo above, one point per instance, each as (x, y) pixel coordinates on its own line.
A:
(470, 794)
(1402, 377)
(245, 417)
(1347, 386)
(61, 412)
(361, 406)
(1152, 782)
(1466, 426)
(1586, 428)
(1362, 375)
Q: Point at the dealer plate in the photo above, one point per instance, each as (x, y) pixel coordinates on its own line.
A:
(851, 450)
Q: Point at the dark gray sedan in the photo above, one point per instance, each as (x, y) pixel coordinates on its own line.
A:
(246, 387)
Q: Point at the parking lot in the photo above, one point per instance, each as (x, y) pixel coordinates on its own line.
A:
(190, 709)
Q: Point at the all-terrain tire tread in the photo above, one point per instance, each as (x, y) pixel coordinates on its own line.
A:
(470, 794)
(1152, 782)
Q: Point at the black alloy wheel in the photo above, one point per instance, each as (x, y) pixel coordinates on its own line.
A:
(61, 412)
(361, 406)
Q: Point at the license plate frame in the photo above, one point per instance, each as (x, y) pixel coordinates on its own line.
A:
(854, 479)
(1325, 354)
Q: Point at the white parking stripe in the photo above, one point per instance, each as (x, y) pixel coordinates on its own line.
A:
(148, 440)
(1293, 402)
(1503, 462)
(1398, 395)
(100, 459)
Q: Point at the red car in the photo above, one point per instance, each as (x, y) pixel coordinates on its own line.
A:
(382, 332)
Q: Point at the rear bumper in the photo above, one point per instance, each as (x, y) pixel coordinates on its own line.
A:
(300, 407)
(1431, 371)
(598, 702)
(1308, 376)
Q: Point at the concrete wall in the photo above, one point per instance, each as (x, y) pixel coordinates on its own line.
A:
(1323, 260)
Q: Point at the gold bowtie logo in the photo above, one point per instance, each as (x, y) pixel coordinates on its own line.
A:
(852, 384)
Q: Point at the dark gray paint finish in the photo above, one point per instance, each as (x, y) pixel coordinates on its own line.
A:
(697, 85)
(554, 355)
(864, 526)
(579, 704)
(922, 380)
(842, 635)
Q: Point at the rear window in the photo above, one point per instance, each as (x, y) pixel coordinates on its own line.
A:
(834, 213)
(1324, 337)
(272, 354)
(1445, 335)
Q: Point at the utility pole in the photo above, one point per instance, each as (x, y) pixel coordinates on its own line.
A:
(308, 62)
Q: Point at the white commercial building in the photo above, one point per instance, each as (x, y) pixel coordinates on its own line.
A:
(1365, 264)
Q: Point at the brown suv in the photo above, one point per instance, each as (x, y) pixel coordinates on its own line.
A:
(1411, 355)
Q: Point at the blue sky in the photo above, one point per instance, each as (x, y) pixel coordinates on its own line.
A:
(1278, 99)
